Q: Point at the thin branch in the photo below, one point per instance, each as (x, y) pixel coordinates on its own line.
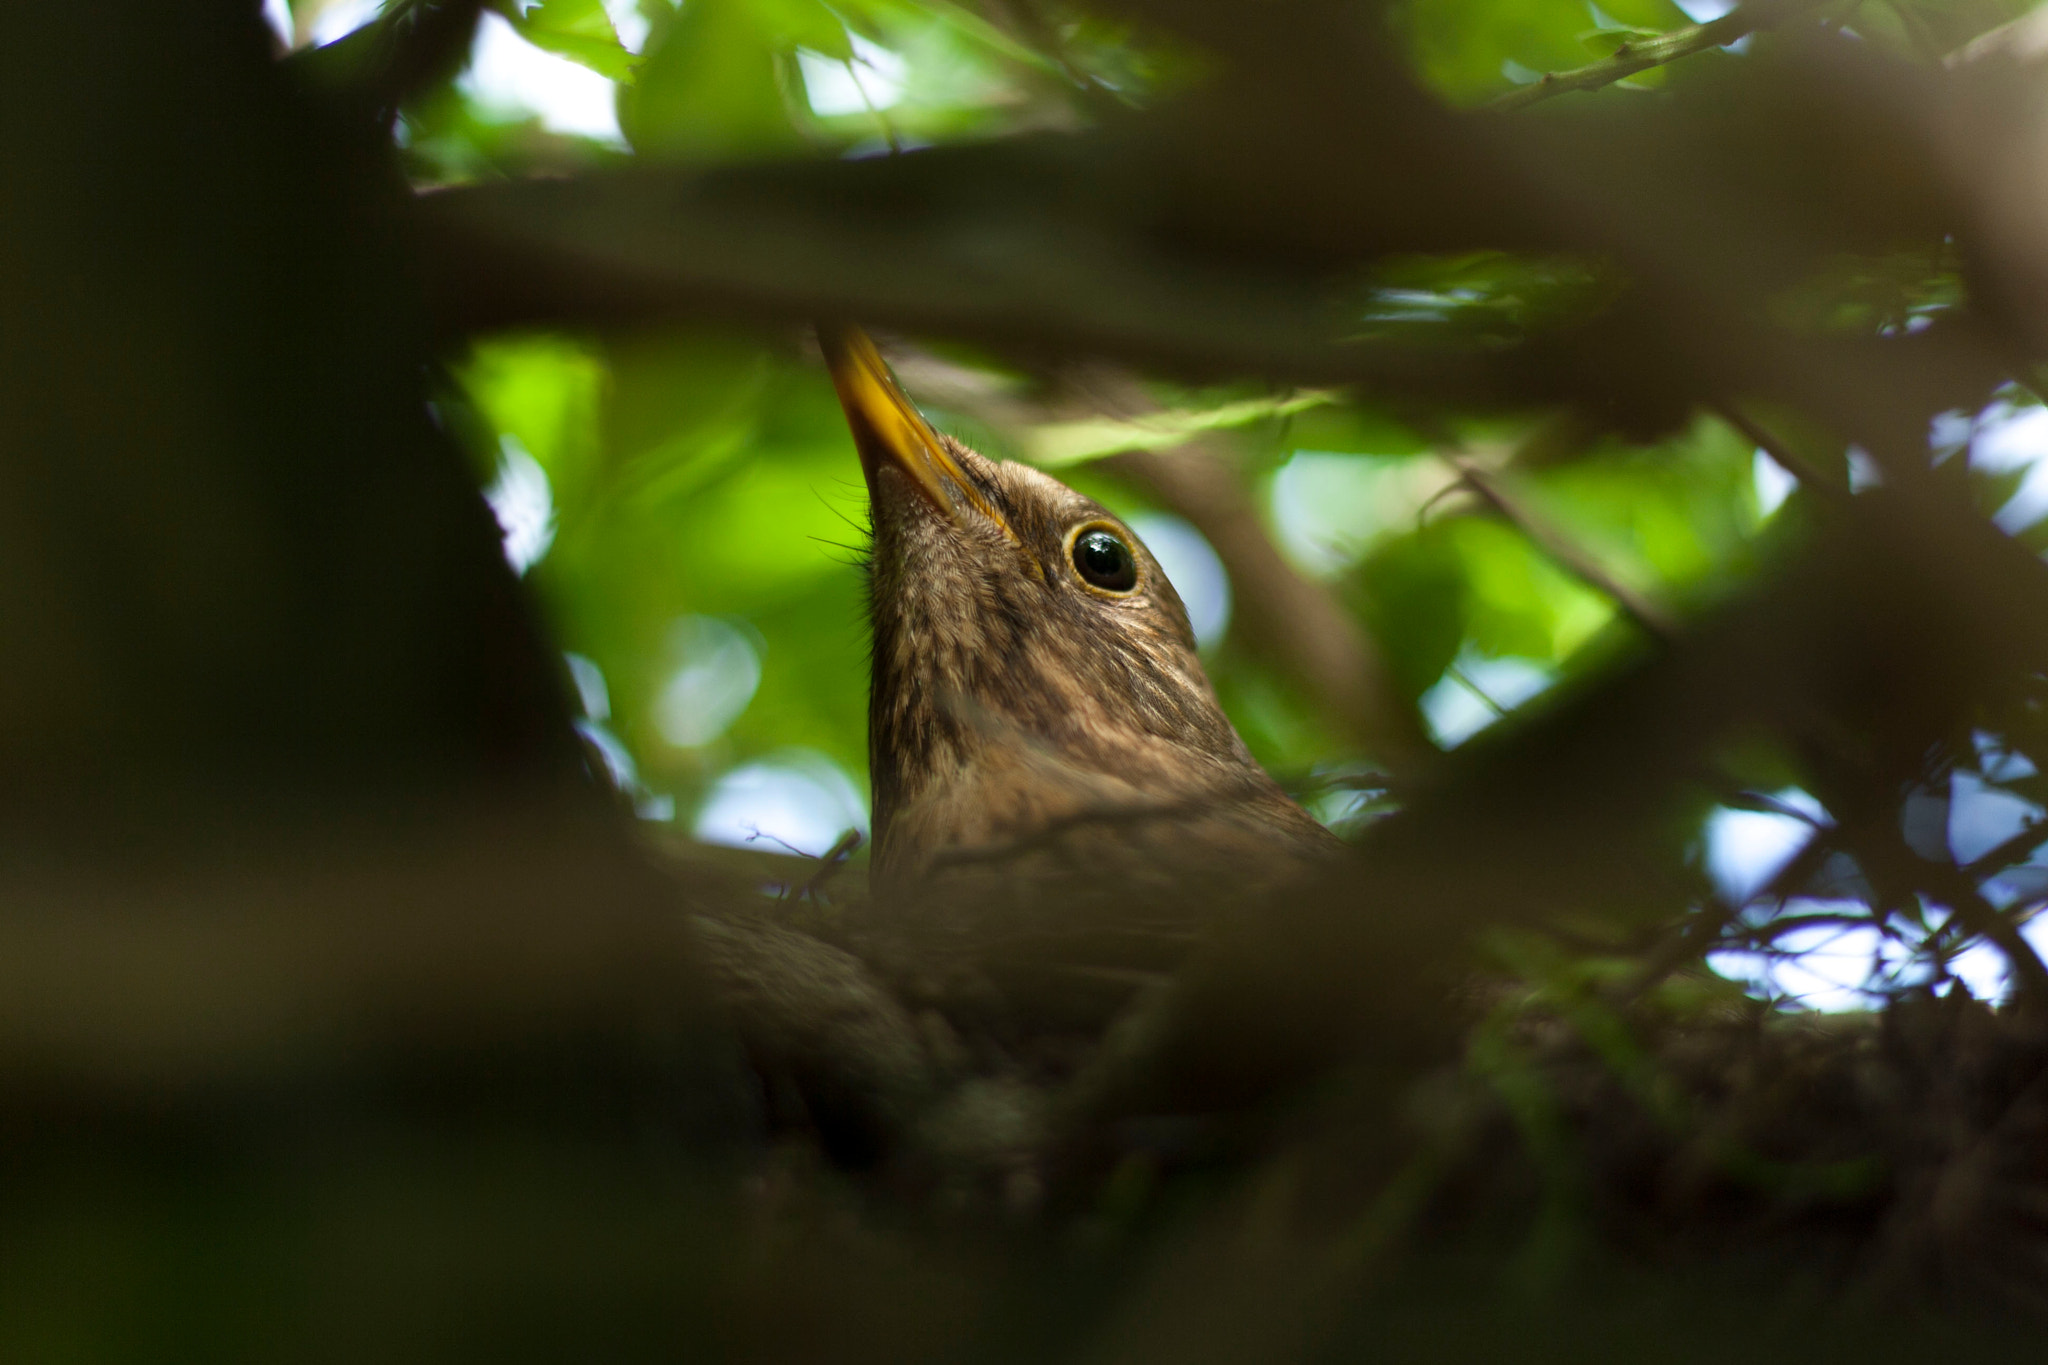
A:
(1771, 805)
(1984, 919)
(1560, 548)
(2010, 852)
(1466, 681)
(1631, 58)
(1794, 464)
(834, 859)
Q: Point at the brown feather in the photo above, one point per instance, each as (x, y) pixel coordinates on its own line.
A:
(1057, 793)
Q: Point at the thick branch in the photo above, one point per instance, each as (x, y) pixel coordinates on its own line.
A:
(1159, 244)
(1570, 808)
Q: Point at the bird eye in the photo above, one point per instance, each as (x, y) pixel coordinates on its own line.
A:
(1104, 561)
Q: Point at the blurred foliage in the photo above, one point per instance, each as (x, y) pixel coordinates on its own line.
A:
(1716, 689)
(706, 474)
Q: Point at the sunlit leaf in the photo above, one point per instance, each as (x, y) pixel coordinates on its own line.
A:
(1605, 42)
(580, 30)
(716, 82)
(1066, 443)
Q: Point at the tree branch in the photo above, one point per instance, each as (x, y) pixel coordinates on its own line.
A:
(1785, 458)
(1561, 549)
(1632, 58)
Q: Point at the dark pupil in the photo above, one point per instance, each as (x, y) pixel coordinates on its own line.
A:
(1106, 561)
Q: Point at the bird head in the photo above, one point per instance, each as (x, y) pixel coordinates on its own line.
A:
(1032, 664)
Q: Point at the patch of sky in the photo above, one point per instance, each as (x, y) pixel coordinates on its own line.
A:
(1981, 966)
(1845, 965)
(1774, 484)
(339, 18)
(1476, 691)
(510, 78)
(797, 801)
(523, 504)
(628, 22)
(1949, 432)
(590, 687)
(1327, 509)
(1997, 760)
(2006, 437)
(1193, 569)
(871, 81)
(278, 15)
(618, 763)
(1705, 11)
(1744, 849)
(1826, 966)
(1982, 816)
(1841, 960)
(716, 670)
(1863, 471)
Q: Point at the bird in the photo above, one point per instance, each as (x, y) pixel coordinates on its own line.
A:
(1057, 792)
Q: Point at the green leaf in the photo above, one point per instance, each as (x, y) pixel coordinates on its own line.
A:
(577, 29)
(1647, 16)
(1413, 597)
(1353, 430)
(1067, 443)
(1463, 46)
(545, 391)
(717, 81)
(1608, 41)
(805, 23)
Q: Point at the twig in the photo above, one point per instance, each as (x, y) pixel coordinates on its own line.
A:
(1560, 548)
(1464, 680)
(1771, 805)
(834, 859)
(2009, 852)
(1984, 919)
(888, 128)
(1795, 465)
(1633, 57)
(1034, 30)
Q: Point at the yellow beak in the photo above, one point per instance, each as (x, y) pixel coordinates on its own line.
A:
(888, 428)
